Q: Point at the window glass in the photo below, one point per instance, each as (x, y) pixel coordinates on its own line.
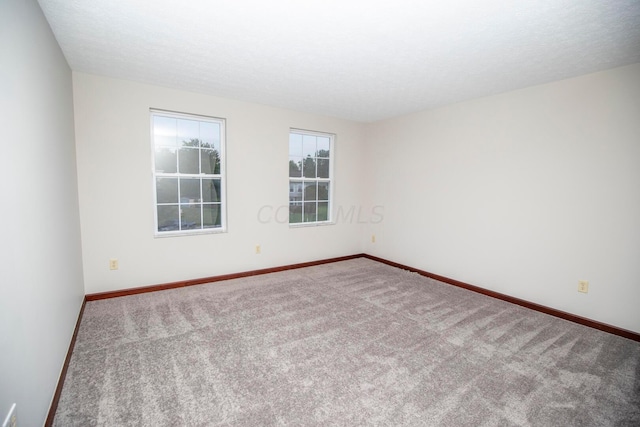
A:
(310, 177)
(188, 173)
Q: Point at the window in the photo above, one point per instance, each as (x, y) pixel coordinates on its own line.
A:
(188, 173)
(310, 177)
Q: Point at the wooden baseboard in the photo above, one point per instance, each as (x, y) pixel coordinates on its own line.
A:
(181, 284)
(533, 306)
(65, 367)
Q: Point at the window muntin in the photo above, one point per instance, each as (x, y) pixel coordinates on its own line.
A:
(310, 177)
(188, 173)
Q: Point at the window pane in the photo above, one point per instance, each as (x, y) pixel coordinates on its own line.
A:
(295, 191)
(323, 211)
(295, 212)
(190, 216)
(295, 144)
(211, 190)
(166, 190)
(210, 134)
(295, 166)
(189, 162)
(324, 144)
(164, 131)
(189, 190)
(168, 217)
(323, 168)
(309, 167)
(211, 217)
(188, 132)
(295, 201)
(323, 191)
(310, 191)
(309, 212)
(166, 160)
(210, 160)
(309, 145)
(165, 141)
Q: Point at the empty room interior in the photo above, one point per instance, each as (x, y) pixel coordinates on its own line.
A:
(425, 213)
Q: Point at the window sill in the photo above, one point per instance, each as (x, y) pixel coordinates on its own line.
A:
(189, 233)
(311, 224)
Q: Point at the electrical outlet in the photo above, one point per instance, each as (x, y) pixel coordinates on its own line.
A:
(258, 250)
(583, 286)
(373, 238)
(12, 417)
(113, 264)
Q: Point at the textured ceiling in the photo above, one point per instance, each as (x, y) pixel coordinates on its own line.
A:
(362, 60)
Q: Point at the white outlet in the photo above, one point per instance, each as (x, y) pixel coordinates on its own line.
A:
(373, 238)
(113, 264)
(12, 417)
(258, 249)
(583, 286)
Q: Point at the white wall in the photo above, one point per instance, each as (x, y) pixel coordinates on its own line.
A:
(523, 193)
(41, 288)
(115, 187)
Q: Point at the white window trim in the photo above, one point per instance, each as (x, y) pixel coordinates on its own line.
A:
(223, 184)
(330, 220)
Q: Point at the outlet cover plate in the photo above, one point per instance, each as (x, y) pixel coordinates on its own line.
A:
(583, 286)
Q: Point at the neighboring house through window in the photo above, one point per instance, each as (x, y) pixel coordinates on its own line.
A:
(188, 173)
(310, 177)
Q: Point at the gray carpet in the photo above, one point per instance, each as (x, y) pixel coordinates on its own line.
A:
(346, 344)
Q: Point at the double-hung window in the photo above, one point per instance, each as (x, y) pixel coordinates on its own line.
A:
(188, 173)
(310, 177)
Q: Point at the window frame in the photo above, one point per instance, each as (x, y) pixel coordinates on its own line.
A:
(221, 122)
(330, 180)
